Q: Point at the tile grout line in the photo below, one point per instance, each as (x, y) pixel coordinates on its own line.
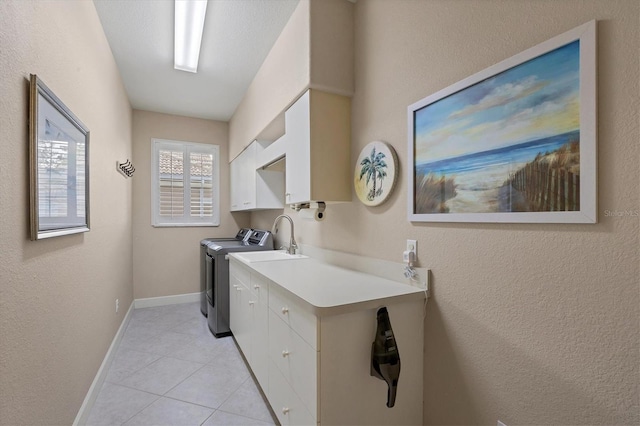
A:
(133, 372)
(183, 380)
(142, 409)
(246, 417)
(210, 415)
(234, 392)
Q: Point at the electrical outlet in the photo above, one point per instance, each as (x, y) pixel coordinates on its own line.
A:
(412, 245)
(117, 305)
(410, 255)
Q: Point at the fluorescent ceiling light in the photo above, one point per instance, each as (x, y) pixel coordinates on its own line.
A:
(189, 23)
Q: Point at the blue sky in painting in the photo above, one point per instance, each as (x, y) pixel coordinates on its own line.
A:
(534, 100)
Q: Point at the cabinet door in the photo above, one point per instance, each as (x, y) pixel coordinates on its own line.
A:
(234, 304)
(260, 332)
(248, 178)
(298, 173)
(240, 315)
(260, 342)
(243, 180)
(235, 184)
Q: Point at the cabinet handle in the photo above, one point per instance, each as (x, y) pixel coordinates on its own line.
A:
(257, 287)
(238, 288)
(251, 302)
(285, 310)
(235, 285)
(246, 203)
(285, 410)
(285, 353)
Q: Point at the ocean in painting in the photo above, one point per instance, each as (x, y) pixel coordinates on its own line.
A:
(479, 178)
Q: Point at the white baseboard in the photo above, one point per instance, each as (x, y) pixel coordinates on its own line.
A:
(90, 398)
(150, 302)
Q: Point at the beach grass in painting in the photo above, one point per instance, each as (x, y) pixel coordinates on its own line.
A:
(509, 143)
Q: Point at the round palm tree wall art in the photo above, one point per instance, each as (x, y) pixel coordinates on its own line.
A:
(376, 173)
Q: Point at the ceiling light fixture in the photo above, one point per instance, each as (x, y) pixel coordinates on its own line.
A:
(189, 23)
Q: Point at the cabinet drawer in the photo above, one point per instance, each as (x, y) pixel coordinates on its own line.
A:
(289, 310)
(260, 287)
(296, 360)
(284, 401)
(240, 272)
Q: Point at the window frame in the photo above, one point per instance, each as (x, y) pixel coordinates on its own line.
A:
(187, 148)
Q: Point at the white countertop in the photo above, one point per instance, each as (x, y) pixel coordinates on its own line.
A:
(329, 289)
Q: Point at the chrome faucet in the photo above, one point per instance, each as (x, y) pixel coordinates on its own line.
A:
(292, 241)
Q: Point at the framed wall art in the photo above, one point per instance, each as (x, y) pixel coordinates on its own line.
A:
(59, 166)
(376, 173)
(515, 142)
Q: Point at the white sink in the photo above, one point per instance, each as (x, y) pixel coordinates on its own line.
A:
(268, 256)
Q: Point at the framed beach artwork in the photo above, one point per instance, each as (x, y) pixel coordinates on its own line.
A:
(515, 142)
(376, 173)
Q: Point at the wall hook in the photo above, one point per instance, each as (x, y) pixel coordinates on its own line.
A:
(126, 169)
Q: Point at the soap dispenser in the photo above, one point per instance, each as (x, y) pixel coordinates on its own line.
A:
(385, 359)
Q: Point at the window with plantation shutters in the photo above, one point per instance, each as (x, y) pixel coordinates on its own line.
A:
(185, 179)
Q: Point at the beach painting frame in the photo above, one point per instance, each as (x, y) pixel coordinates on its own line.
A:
(514, 143)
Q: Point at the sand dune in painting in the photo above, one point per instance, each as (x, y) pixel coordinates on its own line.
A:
(548, 182)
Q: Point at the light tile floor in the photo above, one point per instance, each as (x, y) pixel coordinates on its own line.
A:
(170, 370)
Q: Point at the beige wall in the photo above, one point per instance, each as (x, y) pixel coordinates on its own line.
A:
(166, 260)
(57, 296)
(529, 324)
(315, 49)
(331, 46)
(283, 75)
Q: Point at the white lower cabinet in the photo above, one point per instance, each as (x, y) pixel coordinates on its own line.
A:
(264, 321)
(315, 370)
(249, 320)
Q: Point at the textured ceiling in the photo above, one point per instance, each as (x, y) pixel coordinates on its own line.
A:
(238, 35)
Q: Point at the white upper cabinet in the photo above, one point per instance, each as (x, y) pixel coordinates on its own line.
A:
(242, 180)
(253, 189)
(316, 146)
(318, 131)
